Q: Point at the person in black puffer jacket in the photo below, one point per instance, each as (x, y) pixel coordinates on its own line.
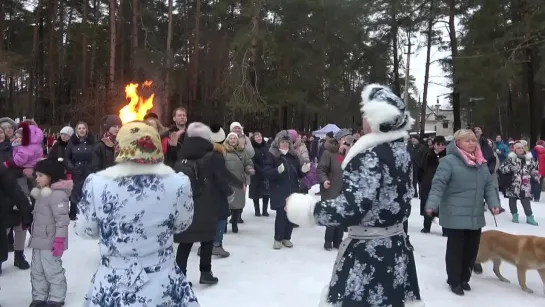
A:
(104, 152)
(259, 186)
(78, 162)
(59, 147)
(488, 152)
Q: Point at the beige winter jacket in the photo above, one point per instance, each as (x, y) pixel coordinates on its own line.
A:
(50, 215)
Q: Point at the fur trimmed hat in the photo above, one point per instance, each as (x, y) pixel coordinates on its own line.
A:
(199, 130)
(54, 168)
(384, 110)
(218, 135)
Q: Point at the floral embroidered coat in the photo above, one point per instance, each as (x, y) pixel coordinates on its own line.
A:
(520, 186)
(134, 211)
(377, 192)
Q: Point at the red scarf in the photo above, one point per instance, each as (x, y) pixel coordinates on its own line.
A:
(112, 138)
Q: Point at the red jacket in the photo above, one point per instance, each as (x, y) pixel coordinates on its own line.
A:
(164, 143)
(540, 151)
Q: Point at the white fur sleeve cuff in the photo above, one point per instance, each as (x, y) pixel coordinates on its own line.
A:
(300, 209)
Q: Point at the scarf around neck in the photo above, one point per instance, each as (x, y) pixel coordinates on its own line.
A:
(473, 159)
(113, 139)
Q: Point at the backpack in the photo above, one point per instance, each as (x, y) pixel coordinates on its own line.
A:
(191, 169)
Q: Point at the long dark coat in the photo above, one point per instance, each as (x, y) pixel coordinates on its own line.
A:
(103, 156)
(282, 185)
(258, 183)
(58, 150)
(79, 155)
(426, 171)
(212, 201)
(11, 195)
(377, 192)
(329, 168)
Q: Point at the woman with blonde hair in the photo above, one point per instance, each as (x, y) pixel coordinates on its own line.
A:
(460, 185)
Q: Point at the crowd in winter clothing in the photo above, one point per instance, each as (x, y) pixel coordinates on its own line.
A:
(140, 187)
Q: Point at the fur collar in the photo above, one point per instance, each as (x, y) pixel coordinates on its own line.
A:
(127, 169)
(527, 156)
(371, 140)
(219, 148)
(63, 185)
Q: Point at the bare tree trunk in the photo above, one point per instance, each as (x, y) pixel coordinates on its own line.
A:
(113, 44)
(96, 16)
(33, 80)
(195, 57)
(2, 26)
(427, 73)
(454, 51)
(134, 34)
(51, 52)
(394, 31)
(165, 110)
(256, 8)
(120, 48)
(84, 27)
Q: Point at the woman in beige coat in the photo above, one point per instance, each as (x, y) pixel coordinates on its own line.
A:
(239, 163)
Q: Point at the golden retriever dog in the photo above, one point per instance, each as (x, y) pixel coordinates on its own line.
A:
(524, 252)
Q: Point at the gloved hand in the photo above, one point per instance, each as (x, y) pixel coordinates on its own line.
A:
(305, 168)
(281, 168)
(58, 247)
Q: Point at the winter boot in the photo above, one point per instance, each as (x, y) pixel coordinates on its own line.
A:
(328, 246)
(425, 230)
(54, 304)
(10, 247)
(465, 286)
(234, 222)
(515, 218)
(265, 207)
(38, 304)
(287, 243)
(239, 220)
(219, 251)
(457, 289)
(530, 220)
(277, 244)
(256, 209)
(207, 278)
(19, 260)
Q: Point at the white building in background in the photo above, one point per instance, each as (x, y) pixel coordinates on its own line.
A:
(440, 119)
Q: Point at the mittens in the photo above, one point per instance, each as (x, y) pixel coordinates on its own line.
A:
(281, 168)
(58, 247)
(305, 168)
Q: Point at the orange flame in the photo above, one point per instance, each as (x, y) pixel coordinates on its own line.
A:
(138, 106)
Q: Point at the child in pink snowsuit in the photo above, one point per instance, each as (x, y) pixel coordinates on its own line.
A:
(27, 151)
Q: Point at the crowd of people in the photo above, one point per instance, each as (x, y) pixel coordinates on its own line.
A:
(139, 187)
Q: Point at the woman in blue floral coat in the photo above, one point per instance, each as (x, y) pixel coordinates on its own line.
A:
(134, 208)
(375, 265)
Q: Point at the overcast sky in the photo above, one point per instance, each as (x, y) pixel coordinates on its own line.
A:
(437, 76)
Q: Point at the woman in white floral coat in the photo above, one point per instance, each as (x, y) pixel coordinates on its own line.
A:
(375, 265)
(134, 208)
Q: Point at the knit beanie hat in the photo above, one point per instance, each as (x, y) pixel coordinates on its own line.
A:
(235, 124)
(110, 121)
(54, 168)
(8, 121)
(67, 130)
(140, 143)
(384, 110)
(342, 133)
(540, 142)
(293, 135)
(218, 135)
(151, 115)
(200, 130)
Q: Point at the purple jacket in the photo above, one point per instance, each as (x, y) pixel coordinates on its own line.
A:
(28, 156)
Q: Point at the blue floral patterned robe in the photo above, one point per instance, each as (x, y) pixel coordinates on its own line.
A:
(377, 192)
(134, 211)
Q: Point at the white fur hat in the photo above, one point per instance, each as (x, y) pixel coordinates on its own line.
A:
(230, 134)
(235, 124)
(218, 135)
(384, 110)
(200, 130)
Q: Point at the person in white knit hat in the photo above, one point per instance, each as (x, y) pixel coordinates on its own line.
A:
(243, 140)
(375, 265)
(59, 147)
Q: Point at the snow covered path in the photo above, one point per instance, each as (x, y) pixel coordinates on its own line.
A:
(257, 275)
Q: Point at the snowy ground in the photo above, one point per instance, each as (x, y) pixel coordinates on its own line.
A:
(257, 275)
